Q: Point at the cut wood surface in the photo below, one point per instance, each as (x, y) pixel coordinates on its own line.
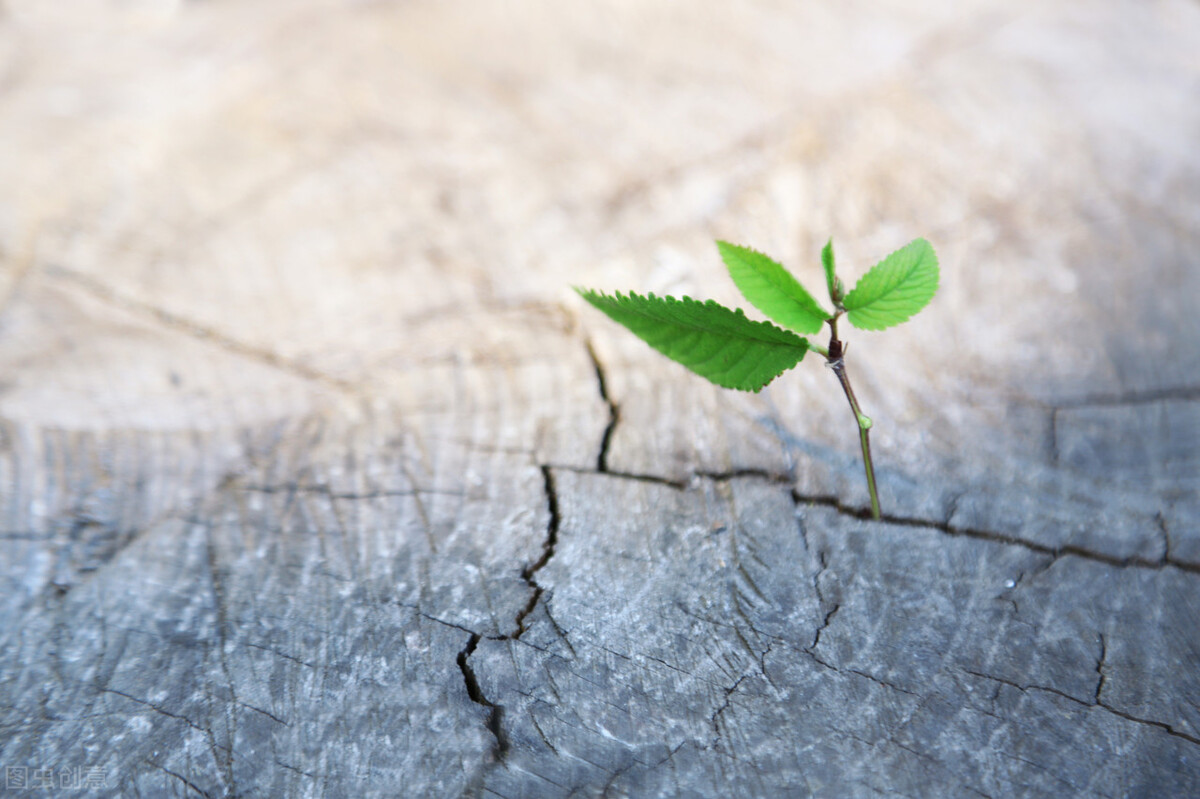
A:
(317, 479)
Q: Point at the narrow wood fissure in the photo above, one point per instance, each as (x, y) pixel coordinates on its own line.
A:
(1167, 728)
(548, 546)
(828, 501)
(614, 410)
(495, 719)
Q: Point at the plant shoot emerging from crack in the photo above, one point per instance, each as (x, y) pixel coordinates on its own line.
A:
(729, 349)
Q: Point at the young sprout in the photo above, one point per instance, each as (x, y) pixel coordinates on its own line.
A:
(729, 349)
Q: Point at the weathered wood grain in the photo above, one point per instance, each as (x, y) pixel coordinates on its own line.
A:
(317, 480)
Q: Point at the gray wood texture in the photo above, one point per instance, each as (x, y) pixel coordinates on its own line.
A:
(317, 480)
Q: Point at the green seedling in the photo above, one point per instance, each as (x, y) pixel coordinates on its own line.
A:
(729, 349)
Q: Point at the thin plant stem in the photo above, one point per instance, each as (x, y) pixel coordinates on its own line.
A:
(837, 363)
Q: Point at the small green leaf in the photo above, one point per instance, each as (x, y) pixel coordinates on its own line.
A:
(772, 289)
(710, 339)
(895, 289)
(835, 294)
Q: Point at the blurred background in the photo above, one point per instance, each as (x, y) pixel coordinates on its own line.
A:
(217, 215)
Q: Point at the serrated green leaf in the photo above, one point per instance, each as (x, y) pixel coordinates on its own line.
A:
(895, 289)
(713, 341)
(772, 289)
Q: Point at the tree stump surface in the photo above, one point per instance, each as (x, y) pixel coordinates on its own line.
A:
(317, 480)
